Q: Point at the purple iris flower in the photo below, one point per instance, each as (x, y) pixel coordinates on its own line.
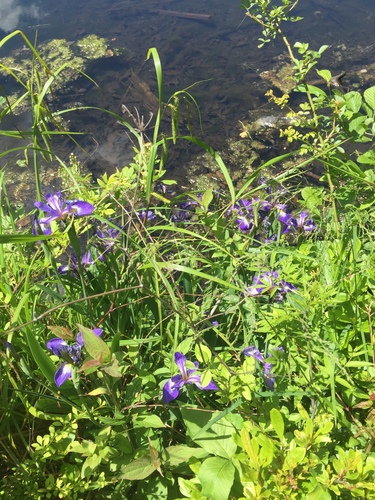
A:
(181, 216)
(8, 346)
(301, 223)
(254, 352)
(172, 387)
(244, 212)
(245, 224)
(58, 209)
(242, 207)
(146, 215)
(86, 260)
(263, 282)
(189, 203)
(268, 282)
(71, 354)
(186, 210)
(107, 238)
(285, 287)
(269, 377)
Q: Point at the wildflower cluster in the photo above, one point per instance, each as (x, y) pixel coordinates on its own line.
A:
(260, 216)
(173, 386)
(71, 354)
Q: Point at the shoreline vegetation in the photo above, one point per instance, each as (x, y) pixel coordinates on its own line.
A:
(214, 344)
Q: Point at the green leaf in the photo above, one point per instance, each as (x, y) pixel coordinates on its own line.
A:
(89, 465)
(177, 267)
(206, 378)
(277, 422)
(95, 346)
(148, 421)
(344, 383)
(312, 196)
(367, 158)
(61, 332)
(250, 446)
(176, 455)
(112, 368)
(294, 457)
(138, 469)
(41, 359)
(357, 125)
(216, 476)
(369, 95)
(207, 198)
(215, 155)
(203, 353)
(297, 301)
(353, 101)
(325, 74)
(316, 91)
(318, 493)
(214, 437)
(98, 391)
(23, 238)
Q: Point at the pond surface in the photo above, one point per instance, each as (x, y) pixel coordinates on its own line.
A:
(219, 52)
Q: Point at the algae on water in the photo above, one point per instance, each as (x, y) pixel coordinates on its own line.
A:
(75, 56)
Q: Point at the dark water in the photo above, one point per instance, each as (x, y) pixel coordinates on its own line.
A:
(220, 53)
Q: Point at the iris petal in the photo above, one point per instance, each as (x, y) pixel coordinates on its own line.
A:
(57, 346)
(180, 361)
(171, 388)
(79, 208)
(63, 373)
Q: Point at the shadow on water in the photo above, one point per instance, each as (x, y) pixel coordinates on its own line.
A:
(220, 52)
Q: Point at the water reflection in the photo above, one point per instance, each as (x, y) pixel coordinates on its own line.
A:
(220, 53)
(12, 13)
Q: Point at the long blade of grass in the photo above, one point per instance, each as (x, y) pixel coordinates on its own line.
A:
(170, 266)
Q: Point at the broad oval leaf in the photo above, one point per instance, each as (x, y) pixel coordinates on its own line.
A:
(216, 476)
(138, 469)
(95, 346)
(148, 421)
(353, 101)
(277, 422)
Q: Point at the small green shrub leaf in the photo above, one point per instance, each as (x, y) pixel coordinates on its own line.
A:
(277, 422)
(203, 353)
(353, 101)
(90, 464)
(325, 74)
(369, 95)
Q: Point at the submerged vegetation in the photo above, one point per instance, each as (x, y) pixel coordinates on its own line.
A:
(211, 345)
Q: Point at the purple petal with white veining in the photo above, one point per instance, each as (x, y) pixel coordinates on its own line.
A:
(63, 373)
